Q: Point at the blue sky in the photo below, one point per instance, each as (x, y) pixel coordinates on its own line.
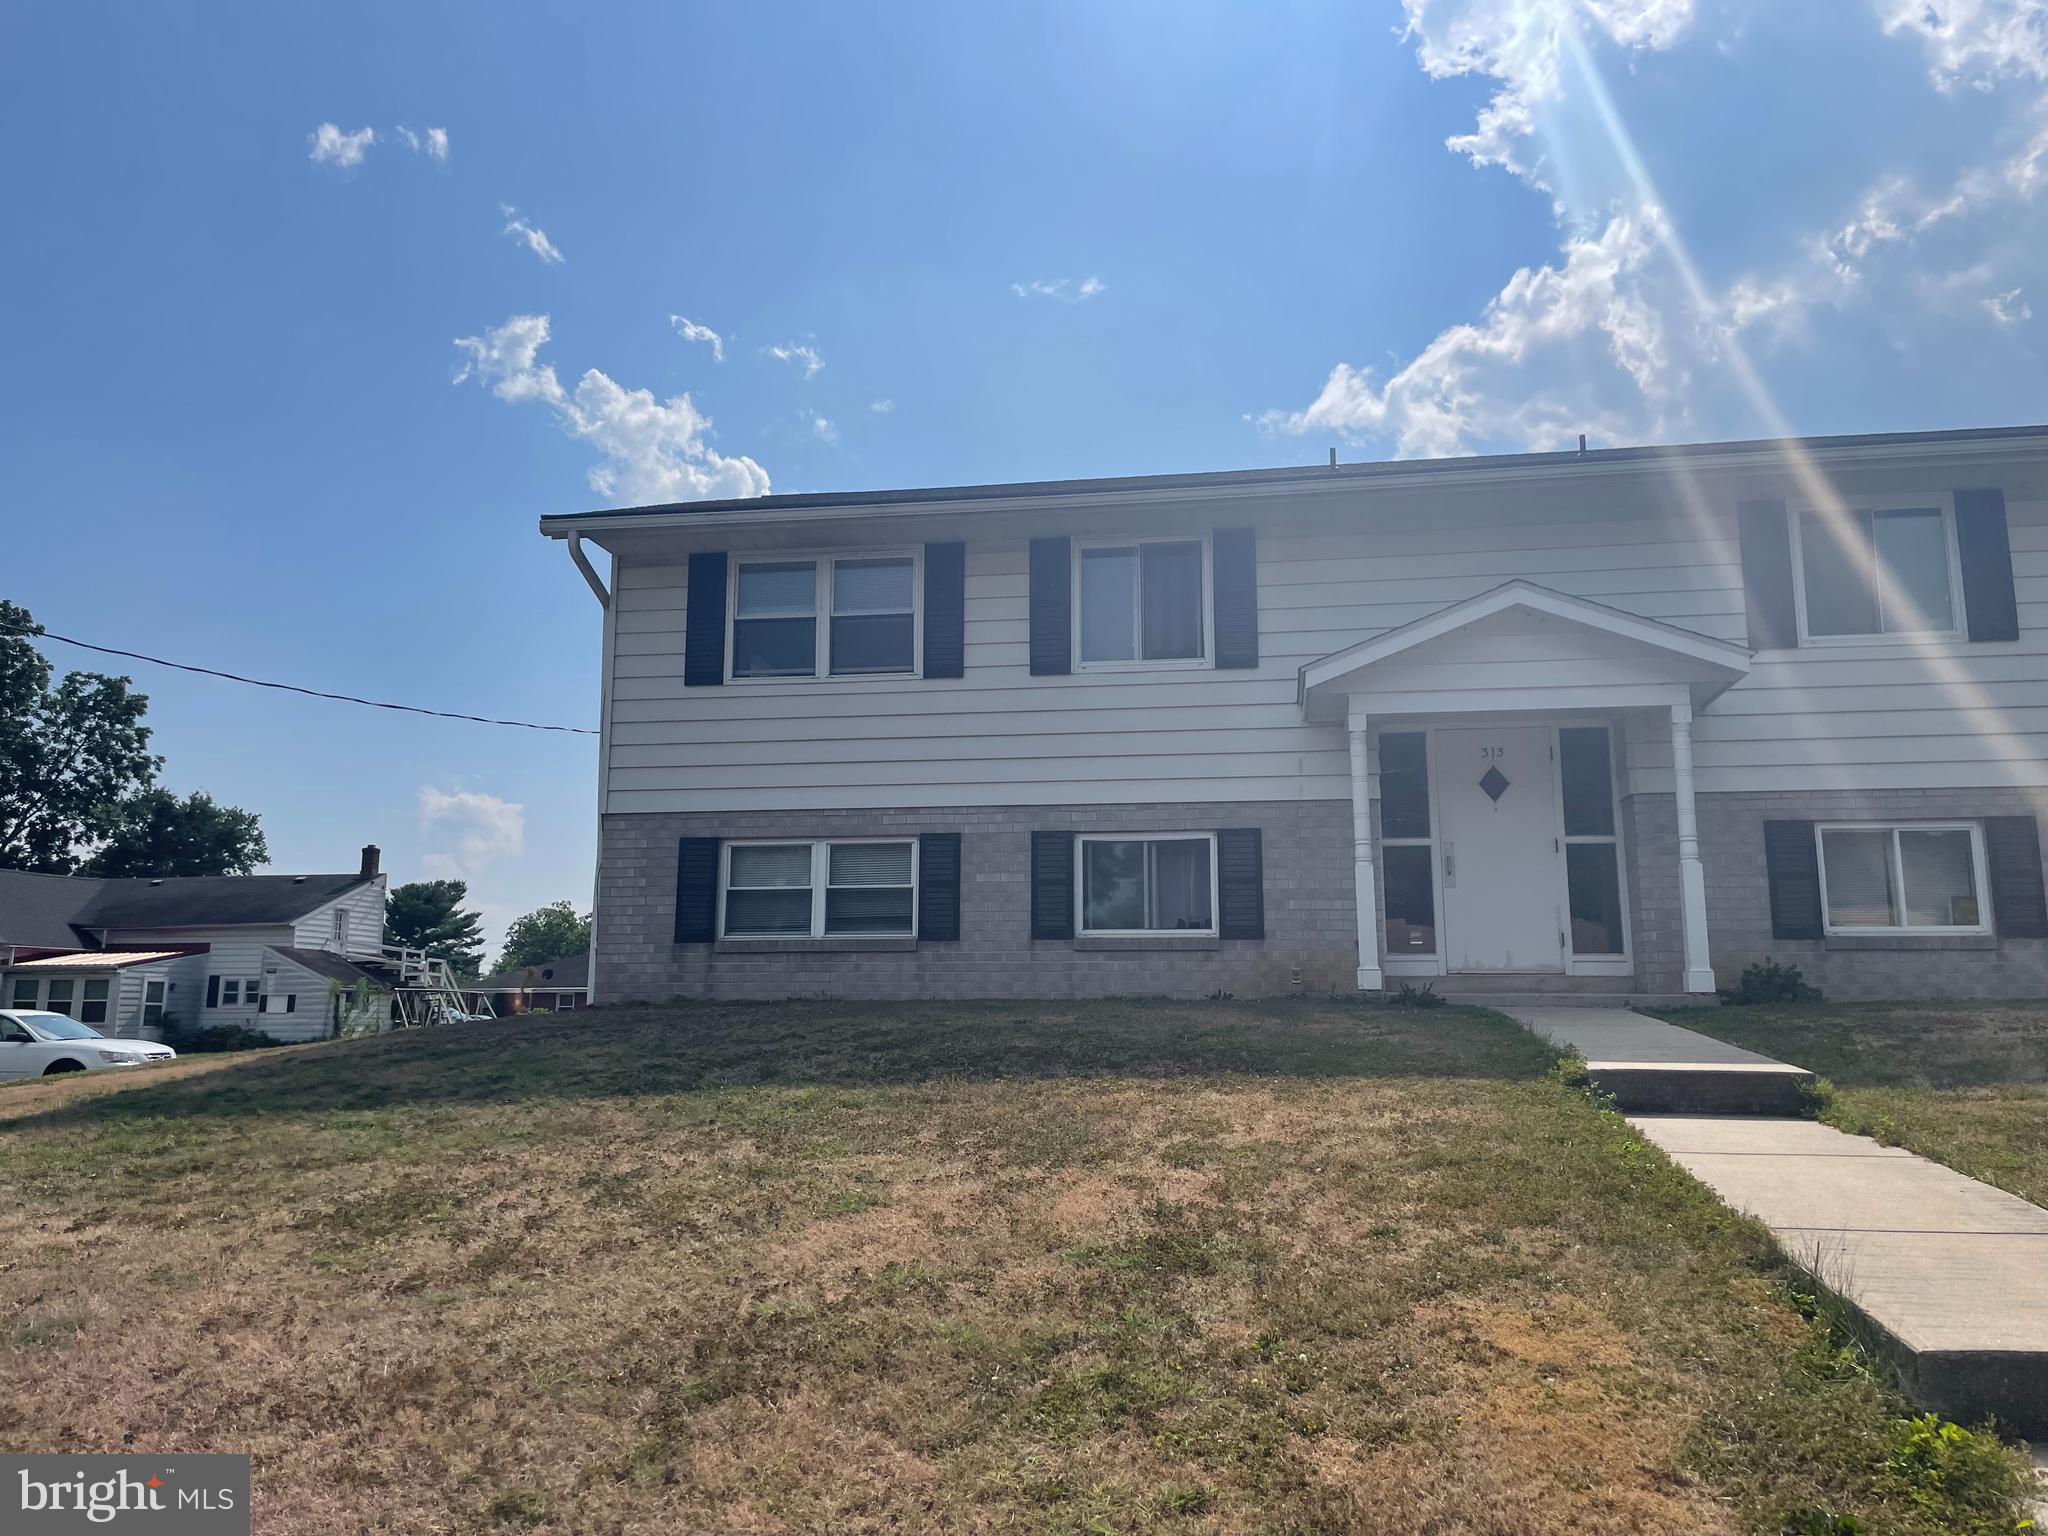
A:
(287, 398)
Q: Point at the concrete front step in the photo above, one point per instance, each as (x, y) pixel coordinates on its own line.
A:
(1511, 1000)
(1659, 1068)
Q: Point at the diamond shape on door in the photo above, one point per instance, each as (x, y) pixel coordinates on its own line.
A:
(1495, 783)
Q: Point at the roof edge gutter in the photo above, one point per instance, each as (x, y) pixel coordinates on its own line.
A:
(572, 526)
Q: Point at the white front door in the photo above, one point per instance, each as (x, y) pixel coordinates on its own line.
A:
(1497, 820)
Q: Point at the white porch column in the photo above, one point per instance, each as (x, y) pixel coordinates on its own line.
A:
(1367, 890)
(1692, 878)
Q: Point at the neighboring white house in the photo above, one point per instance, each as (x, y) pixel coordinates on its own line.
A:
(1616, 721)
(267, 952)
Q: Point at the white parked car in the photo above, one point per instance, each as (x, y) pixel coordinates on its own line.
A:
(36, 1044)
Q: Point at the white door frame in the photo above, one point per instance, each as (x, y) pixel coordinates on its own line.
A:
(1437, 964)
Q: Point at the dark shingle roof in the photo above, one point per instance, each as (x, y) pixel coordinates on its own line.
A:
(53, 910)
(38, 910)
(567, 973)
(323, 962)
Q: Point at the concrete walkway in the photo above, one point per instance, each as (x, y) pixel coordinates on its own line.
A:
(1649, 1065)
(1954, 1272)
(1951, 1273)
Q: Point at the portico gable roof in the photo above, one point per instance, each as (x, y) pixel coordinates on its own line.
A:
(1704, 666)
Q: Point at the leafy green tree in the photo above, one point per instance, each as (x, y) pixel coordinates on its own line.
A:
(161, 835)
(427, 914)
(550, 933)
(70, 756)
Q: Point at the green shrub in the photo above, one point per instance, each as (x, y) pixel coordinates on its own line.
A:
(1410, 996)
(1945, 1466)
(1766, 981)
(214, 1037)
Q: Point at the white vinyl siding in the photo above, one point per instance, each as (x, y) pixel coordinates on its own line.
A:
(365, 908)
(1896, 713)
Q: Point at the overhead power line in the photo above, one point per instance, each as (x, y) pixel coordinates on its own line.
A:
(311, 693)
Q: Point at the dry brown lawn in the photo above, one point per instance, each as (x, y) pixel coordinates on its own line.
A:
(1208, 1268)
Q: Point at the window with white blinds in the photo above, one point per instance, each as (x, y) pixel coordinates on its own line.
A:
(1918, 879)
(855, 889)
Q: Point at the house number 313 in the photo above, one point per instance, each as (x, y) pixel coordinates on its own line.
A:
(1493, 751)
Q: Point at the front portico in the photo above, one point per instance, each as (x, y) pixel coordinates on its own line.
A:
(1498, 838)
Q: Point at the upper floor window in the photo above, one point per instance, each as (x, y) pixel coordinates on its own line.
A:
(1921, 879)
(341, 922)
(1143, 602)
(1890, 571)
(830, 616)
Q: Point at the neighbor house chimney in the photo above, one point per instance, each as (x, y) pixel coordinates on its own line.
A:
(370, 857)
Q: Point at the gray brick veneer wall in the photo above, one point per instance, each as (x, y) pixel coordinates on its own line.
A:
(1309, 911)
(1852, 969)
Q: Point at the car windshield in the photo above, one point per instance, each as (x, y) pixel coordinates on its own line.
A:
(54, 1026)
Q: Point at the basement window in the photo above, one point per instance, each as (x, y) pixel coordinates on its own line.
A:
(1918, 878)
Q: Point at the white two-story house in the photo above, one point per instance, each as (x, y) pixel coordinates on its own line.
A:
(1611, 722)
(273, 953)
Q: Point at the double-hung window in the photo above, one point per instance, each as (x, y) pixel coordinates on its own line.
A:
(1144, 602)
(92, 1002)
(832, 616)
(1905, 878)
(1163, 883)
(857, 888)
(1869, 573)
(61, 996)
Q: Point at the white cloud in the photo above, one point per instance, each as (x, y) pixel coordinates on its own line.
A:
(534, 239)
(881, 407)
(434, 143)
(1975, 42)
(2009, 308)
(1587, 317)
(1521, 44)
(652, 450)
(343, 151)
(1062, 288)
(689, 330)
(805, 357)
(822, 426)
(479, 829)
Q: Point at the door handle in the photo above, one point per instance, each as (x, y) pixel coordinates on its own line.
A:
(1450, 865)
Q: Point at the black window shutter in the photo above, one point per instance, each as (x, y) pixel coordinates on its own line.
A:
(704, 622)
(1234, 583)
(1793, 863)
(1052, 883)
(1240, 883)
(945, 610)
(2012, 847)
(938, 886)
(1052, 607)
(696, 890)
(1767, 575)
(1986, 551)
(213, 991)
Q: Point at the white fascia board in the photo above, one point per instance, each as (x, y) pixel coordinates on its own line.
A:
(1341, 481)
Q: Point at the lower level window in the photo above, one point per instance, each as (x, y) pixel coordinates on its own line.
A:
(1148, 884)
(93, 1004)
(62, 996)
(852, 889)
(1903, 878)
